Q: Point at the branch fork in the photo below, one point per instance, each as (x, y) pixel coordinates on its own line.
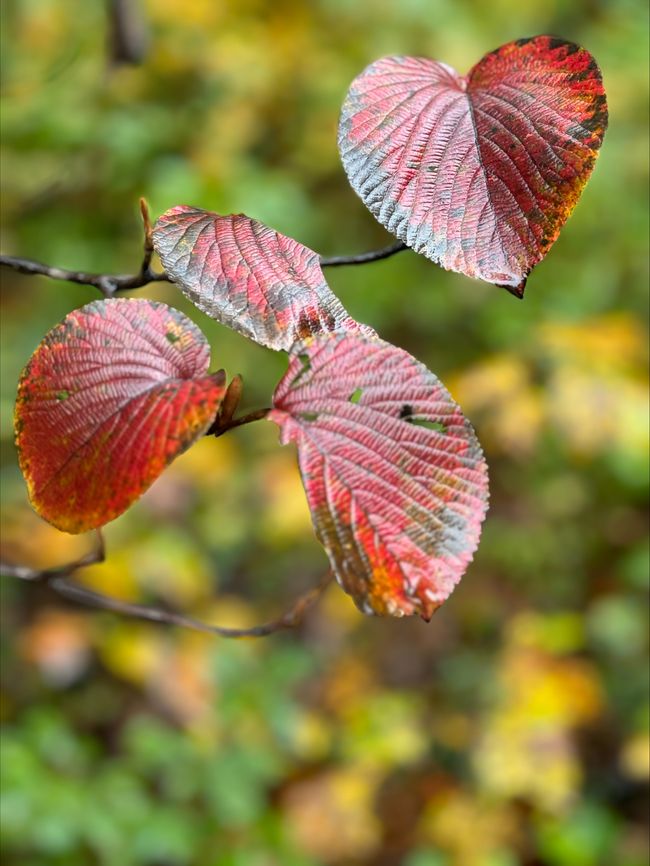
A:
(59, 580)
(111, 284)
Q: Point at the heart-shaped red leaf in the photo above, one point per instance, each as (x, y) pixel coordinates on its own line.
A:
(394, 475)
(112, 395)
(477, 172)
(248, 276)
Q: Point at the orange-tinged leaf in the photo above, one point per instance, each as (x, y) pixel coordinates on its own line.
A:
(248, 276)
(476, 172)
(393, 473)
(112, 395)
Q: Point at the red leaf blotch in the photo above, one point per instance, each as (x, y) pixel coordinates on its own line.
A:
(394, 476)
(479, 172)
(248, 276)
(113, 393)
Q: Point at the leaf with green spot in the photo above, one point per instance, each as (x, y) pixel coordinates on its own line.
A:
(105, 403)
(397, 505)
(248, 276)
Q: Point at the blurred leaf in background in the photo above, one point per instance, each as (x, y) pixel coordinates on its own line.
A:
(510, 731)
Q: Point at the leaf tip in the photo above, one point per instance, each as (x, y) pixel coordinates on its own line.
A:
(219, 378)
(518, 290)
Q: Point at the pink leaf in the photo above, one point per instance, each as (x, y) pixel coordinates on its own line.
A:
(477, 172)
(394, 475)
(248, 276)
(112, 395)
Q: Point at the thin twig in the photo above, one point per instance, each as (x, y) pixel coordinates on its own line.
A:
(111, 284)
(58, 580)
(45, 575)
(127, 32)
(221, 426)
(147, 245)
(362, 258)
(108, 284)
(289, 620)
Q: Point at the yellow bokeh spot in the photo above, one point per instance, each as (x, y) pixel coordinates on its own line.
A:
(635, 757)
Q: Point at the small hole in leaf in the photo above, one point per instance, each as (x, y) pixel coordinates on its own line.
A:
(424, 422)
(305, 360)
(62, 395)
(355, 396)
(406, 414)
(309, 416)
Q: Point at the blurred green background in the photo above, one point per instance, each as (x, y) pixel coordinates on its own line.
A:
(513, 729)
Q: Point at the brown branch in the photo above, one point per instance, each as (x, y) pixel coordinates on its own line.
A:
(222, 425)
(289, 620)
(362, 258)
(45, 575)
(108, 284)
(148, 235)
(111, 284)
(58, 580)
(127, 32)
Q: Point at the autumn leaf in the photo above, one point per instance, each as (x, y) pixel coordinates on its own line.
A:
(478, 172)
(393, 473)
(248, 276)
(112, 395)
